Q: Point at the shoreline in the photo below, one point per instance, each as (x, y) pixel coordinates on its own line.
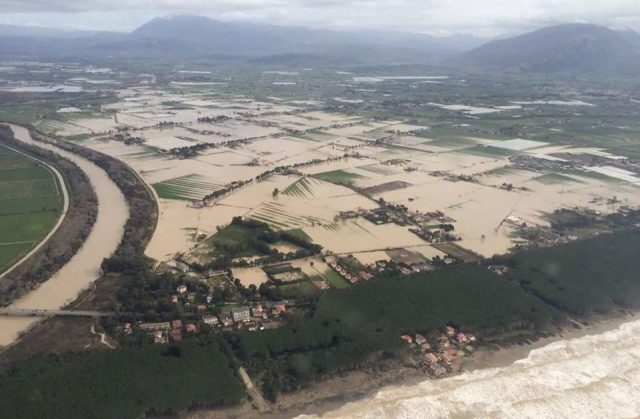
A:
(335, 392)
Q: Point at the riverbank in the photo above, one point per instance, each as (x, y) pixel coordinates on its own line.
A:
(84, 267)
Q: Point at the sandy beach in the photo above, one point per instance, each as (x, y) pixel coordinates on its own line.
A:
(329, 396)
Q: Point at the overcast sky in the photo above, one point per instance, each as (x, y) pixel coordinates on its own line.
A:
(479, 17)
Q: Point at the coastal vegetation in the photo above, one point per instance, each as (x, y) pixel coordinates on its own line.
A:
(352, 326)
(589, 277)
(126, 383)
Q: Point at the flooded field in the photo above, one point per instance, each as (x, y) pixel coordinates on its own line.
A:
(486, 186)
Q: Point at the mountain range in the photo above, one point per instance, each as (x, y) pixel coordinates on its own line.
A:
(569, 48)
(193, 36)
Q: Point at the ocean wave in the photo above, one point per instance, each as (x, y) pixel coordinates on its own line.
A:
(594, 376)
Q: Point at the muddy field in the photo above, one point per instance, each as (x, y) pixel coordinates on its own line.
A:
(342, 163)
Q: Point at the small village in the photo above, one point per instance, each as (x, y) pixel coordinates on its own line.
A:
(443, 352)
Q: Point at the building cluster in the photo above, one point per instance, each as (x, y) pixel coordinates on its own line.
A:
(353, 271)
(251, 317)
(348, 273)
(444, 352)
(165, 332)
(397, 214)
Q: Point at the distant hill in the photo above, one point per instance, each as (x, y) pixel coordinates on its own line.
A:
(571, 48)
(193, 36)
(38, 32)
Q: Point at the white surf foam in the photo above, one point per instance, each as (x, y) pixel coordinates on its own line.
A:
(595, 376)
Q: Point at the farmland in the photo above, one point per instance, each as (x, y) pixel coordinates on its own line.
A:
(308, 218)
(30, 204)
(470, 160)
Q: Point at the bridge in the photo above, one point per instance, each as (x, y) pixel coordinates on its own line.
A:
(29, 312)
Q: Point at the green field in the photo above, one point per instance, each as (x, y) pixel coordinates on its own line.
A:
(299, 290)
(231, 236)
(303, 188)
(339, 177)
(335, 280)
(30, 204)
(555, 179)
(187, 188)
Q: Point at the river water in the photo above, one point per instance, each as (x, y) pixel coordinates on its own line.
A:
(83, 269)
(596, 376)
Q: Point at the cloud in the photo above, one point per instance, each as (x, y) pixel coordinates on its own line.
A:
(483, 17)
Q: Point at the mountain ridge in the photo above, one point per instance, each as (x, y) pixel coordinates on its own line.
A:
(567, 48)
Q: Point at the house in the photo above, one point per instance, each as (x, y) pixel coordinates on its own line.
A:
(191, 297)
(407, 338)
(174, 299)
(405, 271)
(192, 328)
(182, 267)
(450, 331)
(461, 338)
(431, 358)
(446, 358)
(176, 324)
(279, 308)
(152, 327)
(420, 340)
(226, 320)
(176, 335)
(365, 275)
(210, 320)
(452, 353)
(425, 347)
(201, 307)
(159, 337)
(257, 311)
(240, 314)
(182, 289)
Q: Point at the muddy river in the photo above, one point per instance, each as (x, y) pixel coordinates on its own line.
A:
(83, 269)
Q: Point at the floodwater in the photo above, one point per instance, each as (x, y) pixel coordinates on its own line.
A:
(83, 269)
(596, 376)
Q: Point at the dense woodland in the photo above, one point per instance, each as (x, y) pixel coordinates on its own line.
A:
(126, 383)
(349, 326)
(588, 277)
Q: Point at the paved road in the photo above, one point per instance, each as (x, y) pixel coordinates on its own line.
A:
(256, 397)
(29, 312)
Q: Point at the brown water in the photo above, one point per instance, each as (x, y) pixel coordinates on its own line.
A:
(83, 269)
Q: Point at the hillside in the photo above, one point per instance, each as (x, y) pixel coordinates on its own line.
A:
(571, 48)
(193, 36)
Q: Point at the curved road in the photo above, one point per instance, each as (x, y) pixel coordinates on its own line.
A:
(63, 213)
(83, 268)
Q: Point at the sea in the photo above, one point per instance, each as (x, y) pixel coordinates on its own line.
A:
(594, 376)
